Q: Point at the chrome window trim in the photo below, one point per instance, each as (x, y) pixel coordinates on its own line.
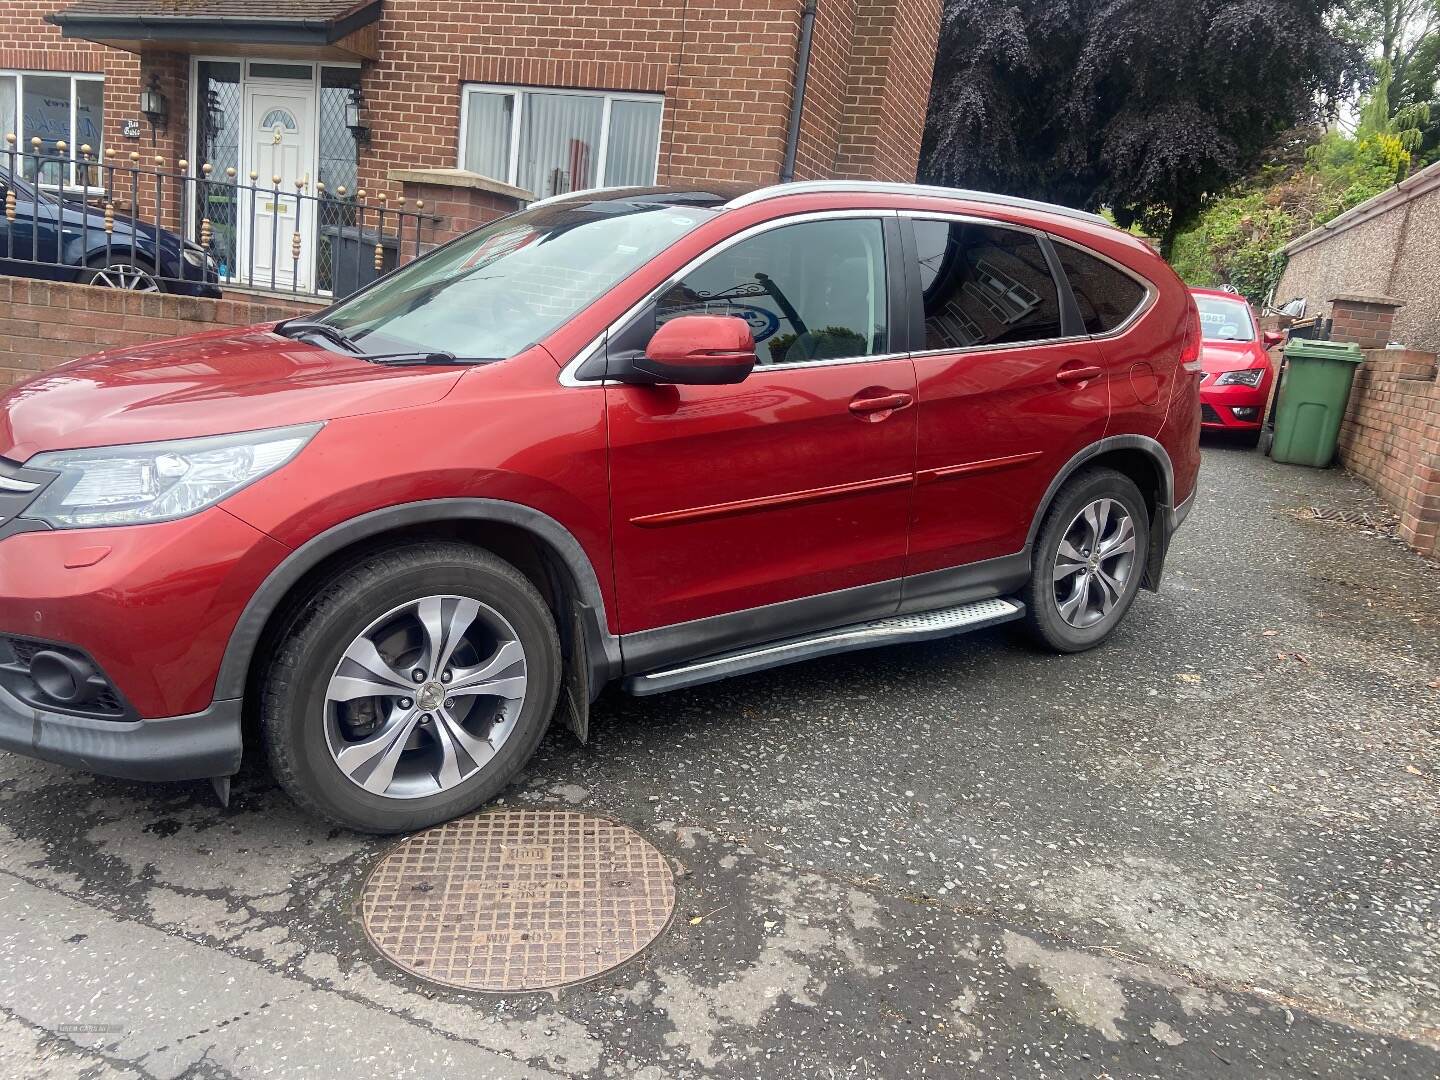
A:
(567, 373)
(1152, 292)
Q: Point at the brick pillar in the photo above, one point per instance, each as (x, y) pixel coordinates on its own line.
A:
(458, 199)
(1365, 320)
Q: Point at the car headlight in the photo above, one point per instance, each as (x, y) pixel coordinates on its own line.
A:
(1247, 377)
(159, 481)
(197, 259)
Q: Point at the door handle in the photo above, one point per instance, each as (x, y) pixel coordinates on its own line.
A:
(887, 403)
(1069, 375)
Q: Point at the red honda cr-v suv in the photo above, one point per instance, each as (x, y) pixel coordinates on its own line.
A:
(662, 436)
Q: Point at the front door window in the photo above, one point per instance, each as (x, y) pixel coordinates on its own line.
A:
(811, 291)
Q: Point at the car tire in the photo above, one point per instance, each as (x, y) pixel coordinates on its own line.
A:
(119, 270)
(1071, 610)
(405, 612)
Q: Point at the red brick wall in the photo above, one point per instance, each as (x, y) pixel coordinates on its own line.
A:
(46, 323)
(725, 67)
(891, 61)
(1391, 439)
(1367, 323)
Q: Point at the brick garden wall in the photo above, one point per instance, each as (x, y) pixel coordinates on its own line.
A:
(43, 324)
(1391, 439)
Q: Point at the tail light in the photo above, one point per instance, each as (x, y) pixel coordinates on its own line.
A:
(1194, 335)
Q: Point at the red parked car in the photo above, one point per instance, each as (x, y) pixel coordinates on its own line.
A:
(1238, 373)
(659, 436)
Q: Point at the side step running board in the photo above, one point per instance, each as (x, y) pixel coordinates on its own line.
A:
(923, 626)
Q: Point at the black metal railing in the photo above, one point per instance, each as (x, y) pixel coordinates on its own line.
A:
(113, 219)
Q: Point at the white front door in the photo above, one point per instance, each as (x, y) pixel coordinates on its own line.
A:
(279, 141)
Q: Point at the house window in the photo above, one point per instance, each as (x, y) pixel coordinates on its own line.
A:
(57, 108)
(553, 141)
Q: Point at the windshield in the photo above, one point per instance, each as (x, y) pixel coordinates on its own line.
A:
(1223, 319)
(495, 291)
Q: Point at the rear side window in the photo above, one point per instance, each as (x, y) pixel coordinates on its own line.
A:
(1107, 296)
(984, 286)
(810, 291)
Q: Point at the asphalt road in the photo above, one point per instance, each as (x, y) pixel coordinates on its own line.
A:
(1207, 849)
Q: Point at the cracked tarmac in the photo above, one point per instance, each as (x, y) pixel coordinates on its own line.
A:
(1209, 848)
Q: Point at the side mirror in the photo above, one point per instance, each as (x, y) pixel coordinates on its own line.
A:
(693, 350)
(1271, 338)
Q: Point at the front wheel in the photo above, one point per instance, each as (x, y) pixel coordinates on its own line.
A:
(121, 271)
(1088, 561)
(413, 689)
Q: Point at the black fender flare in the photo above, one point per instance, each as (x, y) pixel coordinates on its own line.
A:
(1165, 521)
(603, 647)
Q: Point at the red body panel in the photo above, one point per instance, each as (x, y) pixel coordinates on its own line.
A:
(155, 610)
(995, 427)
(688, 501)
(729, 497)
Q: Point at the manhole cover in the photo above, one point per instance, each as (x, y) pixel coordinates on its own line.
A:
(517, 900)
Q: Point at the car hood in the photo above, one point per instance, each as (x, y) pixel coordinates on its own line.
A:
(209, 384)
(1218, 356)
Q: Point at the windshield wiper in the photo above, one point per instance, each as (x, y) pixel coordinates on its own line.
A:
(299, 328)
(415, 359)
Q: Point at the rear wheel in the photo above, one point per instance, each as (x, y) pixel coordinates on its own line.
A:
(1088, 561)
(414, 688)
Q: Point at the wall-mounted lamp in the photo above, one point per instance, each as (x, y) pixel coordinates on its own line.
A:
(355, 117)
(152, 105)
(214, 114)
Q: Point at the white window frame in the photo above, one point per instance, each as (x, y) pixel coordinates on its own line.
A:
(517, 95)
(22, 144)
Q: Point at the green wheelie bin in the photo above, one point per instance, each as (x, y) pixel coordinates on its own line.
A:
(1313, 395)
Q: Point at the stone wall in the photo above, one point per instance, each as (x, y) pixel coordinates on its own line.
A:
(1387, 247)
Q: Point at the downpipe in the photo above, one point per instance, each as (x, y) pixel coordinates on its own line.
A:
(797, 97)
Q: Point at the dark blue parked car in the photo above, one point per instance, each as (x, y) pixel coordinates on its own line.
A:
(67, 242)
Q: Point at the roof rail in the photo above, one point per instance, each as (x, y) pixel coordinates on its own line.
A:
(928, 191)
(580, 193)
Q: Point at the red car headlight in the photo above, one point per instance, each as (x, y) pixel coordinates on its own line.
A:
(1248, 377)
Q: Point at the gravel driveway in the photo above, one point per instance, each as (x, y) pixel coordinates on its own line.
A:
(1211, 848)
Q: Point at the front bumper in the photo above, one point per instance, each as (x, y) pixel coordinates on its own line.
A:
(199, 746)
(1218, 405)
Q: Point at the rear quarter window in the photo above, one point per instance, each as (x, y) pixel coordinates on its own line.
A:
(1107, 297)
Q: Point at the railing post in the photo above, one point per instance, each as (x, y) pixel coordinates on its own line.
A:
(295, 237)
(10, 196)
(61, 149)
(35, 203)
(109, 175)
(160, 210)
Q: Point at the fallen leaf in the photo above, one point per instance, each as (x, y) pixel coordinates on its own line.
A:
(1188, 676)
(1268, 633)
(1301, 657)
(1413, 771)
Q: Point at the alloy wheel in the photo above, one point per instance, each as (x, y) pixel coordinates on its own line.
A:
(126, 276)
(1094, 563)
(425, 696)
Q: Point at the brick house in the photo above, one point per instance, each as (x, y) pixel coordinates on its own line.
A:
(474, 103)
